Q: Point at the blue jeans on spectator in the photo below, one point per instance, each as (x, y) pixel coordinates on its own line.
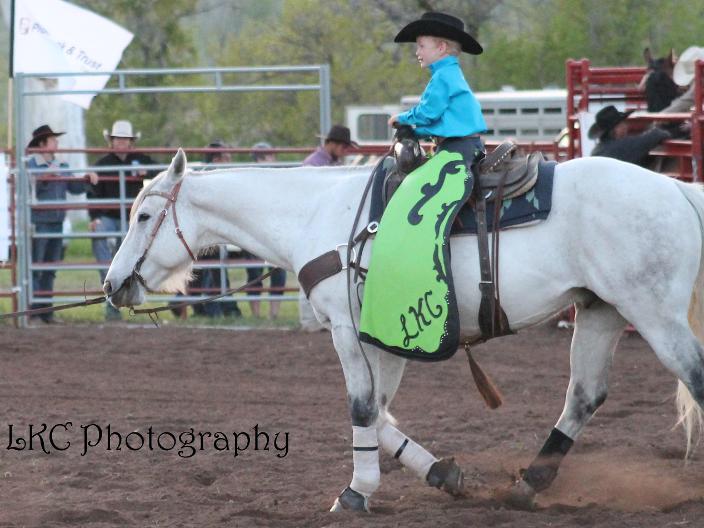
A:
(211, 279)
(45, 250)
(103, 252)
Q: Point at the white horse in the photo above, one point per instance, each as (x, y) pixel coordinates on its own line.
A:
(622, 243)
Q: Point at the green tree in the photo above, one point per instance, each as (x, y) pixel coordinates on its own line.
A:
(528, 41)
(366, 67)
(162, 39)
(526, 44)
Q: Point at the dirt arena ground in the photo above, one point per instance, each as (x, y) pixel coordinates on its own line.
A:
(626, 470)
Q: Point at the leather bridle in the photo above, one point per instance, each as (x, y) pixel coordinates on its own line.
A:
(170, 204)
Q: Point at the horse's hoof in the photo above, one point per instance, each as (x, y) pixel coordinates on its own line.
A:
(520, 496)
(350, 500)
(446, 475)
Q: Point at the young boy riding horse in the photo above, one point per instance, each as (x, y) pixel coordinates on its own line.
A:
(448, 111)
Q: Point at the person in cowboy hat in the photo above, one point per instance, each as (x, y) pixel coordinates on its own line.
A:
(336, 144)
(121, 140)
(448, 111)
(611, 131)
(49, 220)
(683, 75)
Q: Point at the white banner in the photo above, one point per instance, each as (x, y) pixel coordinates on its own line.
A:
(56, 36)
(4, 213)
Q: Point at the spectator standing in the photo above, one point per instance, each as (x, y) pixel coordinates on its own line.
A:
(278, 277)
(336, 144)
(210, 279)
(121, 140)
(49, 220)
(333, 149)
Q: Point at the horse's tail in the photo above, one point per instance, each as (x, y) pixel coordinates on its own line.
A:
(694, 193)
(690, 415)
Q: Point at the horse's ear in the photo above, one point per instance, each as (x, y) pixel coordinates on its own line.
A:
(672, 57)
(647, 56)
(178, 166)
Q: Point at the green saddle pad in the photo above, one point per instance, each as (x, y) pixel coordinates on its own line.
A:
(409, 306)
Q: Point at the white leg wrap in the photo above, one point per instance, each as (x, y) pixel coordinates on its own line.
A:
(410, 454)
(365, 454)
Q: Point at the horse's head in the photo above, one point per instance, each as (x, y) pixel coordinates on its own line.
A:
(659, 87)
(159, 249)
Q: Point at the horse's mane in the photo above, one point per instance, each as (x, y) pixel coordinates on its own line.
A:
(191, 173)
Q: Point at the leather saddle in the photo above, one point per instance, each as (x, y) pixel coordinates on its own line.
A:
(506, 167)
(518, 171)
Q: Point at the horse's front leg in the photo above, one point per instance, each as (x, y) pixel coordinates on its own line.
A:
(444, 473)
(360, 379)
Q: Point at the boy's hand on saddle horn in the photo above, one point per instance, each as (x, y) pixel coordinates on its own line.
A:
(404, 132)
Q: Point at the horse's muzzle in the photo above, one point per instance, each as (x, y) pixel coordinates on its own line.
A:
(129, 293)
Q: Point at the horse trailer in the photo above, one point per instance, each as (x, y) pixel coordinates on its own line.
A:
(523, 115)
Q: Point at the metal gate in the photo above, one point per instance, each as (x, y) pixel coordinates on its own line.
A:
(214, 83)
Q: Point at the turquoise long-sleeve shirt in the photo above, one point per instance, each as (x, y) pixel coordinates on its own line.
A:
(447, 107)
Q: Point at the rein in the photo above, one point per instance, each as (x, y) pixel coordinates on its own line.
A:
(205, 299)
(170, 204)
(351, 242)
(100, 300)
(50, 309)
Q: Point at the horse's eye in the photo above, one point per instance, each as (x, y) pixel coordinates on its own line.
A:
(143, 217)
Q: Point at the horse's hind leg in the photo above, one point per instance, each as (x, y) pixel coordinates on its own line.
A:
(678, 348)
(598, 327)
(444, 473)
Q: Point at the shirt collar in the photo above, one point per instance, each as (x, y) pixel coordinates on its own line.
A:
(39, 160)
(446, 61)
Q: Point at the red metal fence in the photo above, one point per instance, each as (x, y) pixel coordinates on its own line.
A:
(587, 84)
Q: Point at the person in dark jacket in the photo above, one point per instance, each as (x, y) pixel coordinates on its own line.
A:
(46, 250)
(211, 278)
(611, 130)
(278, 276)
(121, 139)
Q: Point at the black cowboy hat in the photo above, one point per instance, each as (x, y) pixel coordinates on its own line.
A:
(216, 143)
(42, 132)
(435, 24)
(606, 119)
(340, 134)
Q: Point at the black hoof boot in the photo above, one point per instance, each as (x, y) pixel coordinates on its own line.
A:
(350, 500)
(446, 475)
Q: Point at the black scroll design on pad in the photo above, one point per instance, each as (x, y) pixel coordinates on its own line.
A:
(429, 190)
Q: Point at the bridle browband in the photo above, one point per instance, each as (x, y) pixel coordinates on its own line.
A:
(170, 204)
